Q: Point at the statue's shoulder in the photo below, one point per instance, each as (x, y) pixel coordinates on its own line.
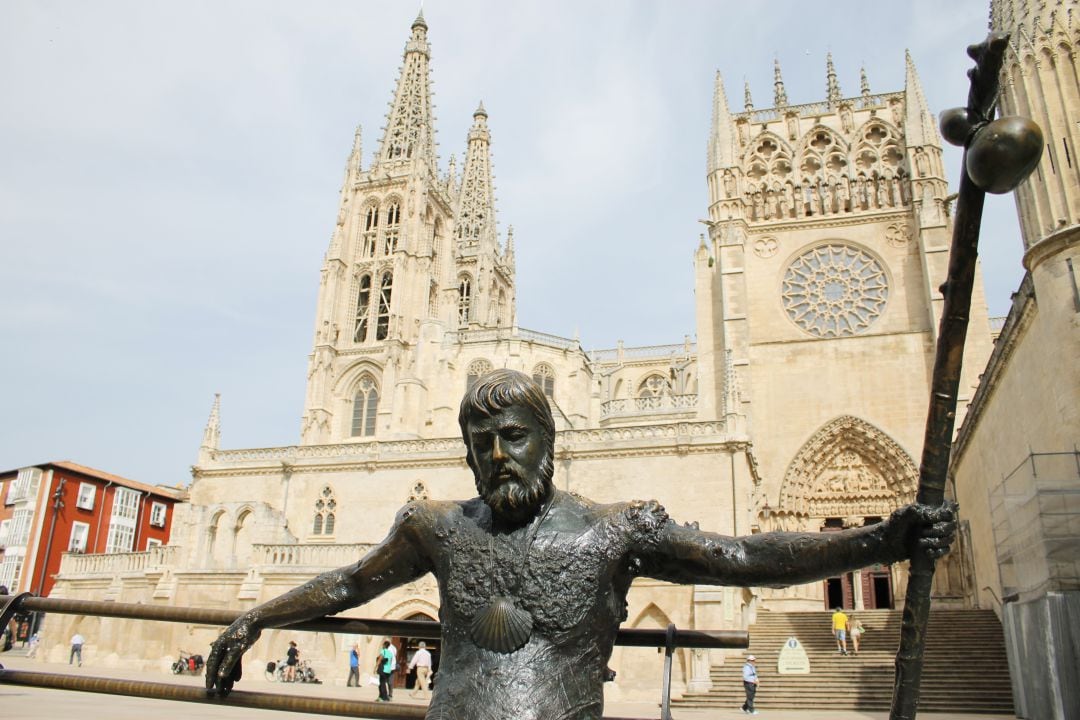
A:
(424, 513)
(638, 516)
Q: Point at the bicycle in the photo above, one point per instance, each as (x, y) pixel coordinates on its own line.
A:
(275, 672)
(188, 663)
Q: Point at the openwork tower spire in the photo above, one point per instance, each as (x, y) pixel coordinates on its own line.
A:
(410, 132)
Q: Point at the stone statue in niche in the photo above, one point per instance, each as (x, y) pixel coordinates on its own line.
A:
(846, 120)
(843, 195)
(729, 183)
(534, 580)
(922, 163)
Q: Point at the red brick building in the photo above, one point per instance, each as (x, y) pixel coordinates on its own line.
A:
(58, 507)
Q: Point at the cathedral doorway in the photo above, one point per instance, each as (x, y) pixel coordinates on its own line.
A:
(406, 649)
(849, 474)
(877, 588)
(840, 592)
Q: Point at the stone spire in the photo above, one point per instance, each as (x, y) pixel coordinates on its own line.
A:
(476, 208)
(779, 94)
(748, 102)
(356, 157)
(410, 130)
(832, 84)
(919, 127)
(508, 252)
(864, 82)
(722, 138)
(212, 433)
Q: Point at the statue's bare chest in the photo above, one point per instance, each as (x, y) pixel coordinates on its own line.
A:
(562, 578)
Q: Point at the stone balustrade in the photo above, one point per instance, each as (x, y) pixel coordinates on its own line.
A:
(156, 558)
(307, 554)
(652, 405)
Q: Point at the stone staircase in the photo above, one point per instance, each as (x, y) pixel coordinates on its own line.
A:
(965, 668)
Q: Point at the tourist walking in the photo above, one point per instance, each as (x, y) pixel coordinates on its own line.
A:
(393, 668)
(421, 661)
(857, 631)
(840, 627)
(292, 659)
(77, 641)
(385, 664)
(354, 668)
(750, 683)
(35, 640)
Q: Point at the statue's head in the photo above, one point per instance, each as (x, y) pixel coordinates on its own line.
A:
(509, 435)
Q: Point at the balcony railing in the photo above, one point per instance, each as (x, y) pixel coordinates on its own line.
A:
(113, 563)
(308, 554)
(648, 405)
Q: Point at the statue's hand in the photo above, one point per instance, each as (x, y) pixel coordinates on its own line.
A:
(223, 668)
(922, 529)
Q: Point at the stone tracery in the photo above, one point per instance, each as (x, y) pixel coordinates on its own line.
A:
(849, 467)
(834, 290)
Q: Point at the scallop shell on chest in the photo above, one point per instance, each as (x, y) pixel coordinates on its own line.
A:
(502, 626)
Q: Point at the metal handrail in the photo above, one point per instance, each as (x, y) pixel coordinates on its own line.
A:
(668, 639)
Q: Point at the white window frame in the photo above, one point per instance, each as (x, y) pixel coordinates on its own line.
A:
(5, 528)
(80, 531)
(125, 510)
(24, 485)
(87, 496)
(158, 514)
(152, 542)
(11, 569)
(19, 532)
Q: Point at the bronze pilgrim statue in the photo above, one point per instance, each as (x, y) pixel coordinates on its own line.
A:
(533, 580)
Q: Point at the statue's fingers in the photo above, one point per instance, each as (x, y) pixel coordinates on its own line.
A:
(212, 661)
(945, 529)
(232, 656)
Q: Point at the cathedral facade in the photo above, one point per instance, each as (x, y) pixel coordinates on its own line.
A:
(799, 406)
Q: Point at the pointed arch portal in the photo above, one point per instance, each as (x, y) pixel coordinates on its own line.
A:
(848, 468)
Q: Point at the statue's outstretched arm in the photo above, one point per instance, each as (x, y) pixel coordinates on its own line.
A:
(398, 559)
(688, 555)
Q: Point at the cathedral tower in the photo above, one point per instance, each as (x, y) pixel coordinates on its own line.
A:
(1039, 81)
(817, 294)
(413, 254)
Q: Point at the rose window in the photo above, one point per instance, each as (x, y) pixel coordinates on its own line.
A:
(834, 290)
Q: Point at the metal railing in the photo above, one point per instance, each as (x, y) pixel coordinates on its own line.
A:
(668, 639)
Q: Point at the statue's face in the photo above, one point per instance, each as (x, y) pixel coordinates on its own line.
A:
(508, 450)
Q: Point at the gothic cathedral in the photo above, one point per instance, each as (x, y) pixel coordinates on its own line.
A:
(800, 406)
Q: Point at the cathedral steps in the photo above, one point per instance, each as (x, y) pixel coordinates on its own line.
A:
(965, 668)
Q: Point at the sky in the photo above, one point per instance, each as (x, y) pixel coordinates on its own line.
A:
(169, 176)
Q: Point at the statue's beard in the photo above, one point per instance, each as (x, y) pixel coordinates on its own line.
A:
(514, 493)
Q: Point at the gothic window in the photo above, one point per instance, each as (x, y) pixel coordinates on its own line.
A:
(382, 322)
(365, 407)
(477, 369)
(544, 376)
(879, 159)
(834, 290)
(433, 301)
(363, 309)
(419, 492)
(651, 392)
(325, 509)
(371, 230)
(393, 227)
(824, 168)
(464, 300)
(768, 167)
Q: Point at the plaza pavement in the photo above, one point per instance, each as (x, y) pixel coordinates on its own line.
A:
(28, 703)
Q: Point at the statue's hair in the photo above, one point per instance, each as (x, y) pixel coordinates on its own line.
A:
(499, 390)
